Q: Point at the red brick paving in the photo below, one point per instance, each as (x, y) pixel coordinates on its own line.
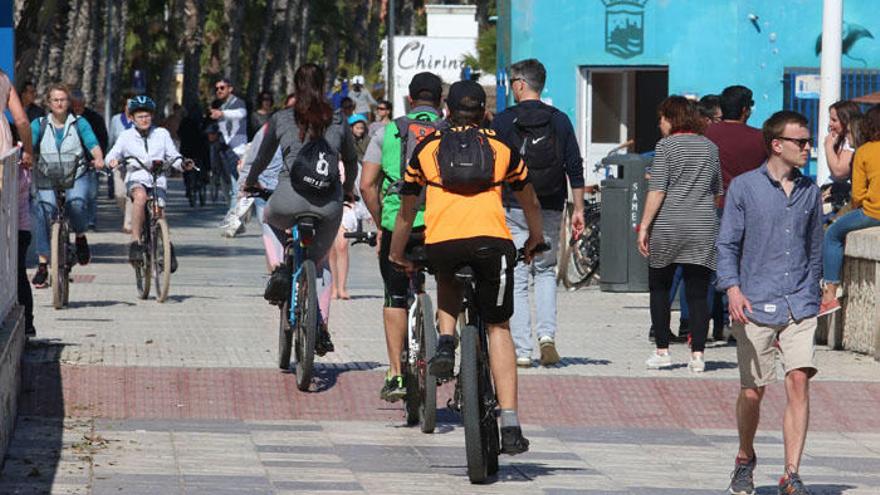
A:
(266, 394)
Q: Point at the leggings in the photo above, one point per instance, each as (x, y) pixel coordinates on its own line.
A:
(696, 278)
(25, 297)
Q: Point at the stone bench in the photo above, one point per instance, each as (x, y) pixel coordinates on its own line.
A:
(857, 326)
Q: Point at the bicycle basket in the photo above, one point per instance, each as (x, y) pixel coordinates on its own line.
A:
(57, 172)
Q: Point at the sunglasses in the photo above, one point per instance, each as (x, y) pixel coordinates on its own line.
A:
(220, 88)
(801, 142)
(383, 108)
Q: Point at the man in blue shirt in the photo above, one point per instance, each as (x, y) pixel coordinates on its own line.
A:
(770, 264)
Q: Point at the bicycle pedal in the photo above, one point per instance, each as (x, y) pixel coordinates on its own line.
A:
(453, 406)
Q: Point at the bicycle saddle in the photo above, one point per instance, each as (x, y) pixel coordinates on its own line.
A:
(307, 224)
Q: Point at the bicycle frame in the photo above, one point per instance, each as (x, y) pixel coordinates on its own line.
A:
(416, 287)
(295, 253)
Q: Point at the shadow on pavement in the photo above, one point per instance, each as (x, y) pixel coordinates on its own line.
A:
(325, 375)
(575, 361)
(179, 298)
(97, 304)
(230, 251)
(34, 454)
(815, 489)
(720, 365)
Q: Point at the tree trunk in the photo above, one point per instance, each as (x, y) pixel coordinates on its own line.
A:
(95, 56)
(371, 51)
(275, 76)
(304, 27)
(258, 60)
(77, 43)
(234, 10)
(193, 42)
(55, 50)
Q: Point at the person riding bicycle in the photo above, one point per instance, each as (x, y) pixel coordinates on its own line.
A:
(384, 162)
(146, 143)
(313, 139)
(73, 139)
(463, 168)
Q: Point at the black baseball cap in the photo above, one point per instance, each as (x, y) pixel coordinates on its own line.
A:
(426, 82)
(466, 89)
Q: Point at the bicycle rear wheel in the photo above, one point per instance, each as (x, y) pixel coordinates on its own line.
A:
(306, 323)
(58, 276)
(471, 408)
(285, 337)
(162, 259)
(427, 382)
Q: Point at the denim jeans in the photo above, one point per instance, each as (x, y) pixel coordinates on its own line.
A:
(43, 207)
(832, 251)
(92, 198)
(543, 271)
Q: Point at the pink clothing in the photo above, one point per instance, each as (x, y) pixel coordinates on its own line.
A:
(24, 199)
(5, 132)
(6, 144)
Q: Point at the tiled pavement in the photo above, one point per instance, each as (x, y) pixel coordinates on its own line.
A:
(129, 396)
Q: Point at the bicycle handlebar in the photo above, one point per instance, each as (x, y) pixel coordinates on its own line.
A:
(257, 192)
(361, 237)
(540, 248)
(155, 167)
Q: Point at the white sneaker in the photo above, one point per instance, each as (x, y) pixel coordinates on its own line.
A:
(697, 365)
(658, 361)
(524, 361)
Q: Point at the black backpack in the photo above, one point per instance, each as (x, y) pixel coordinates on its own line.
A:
(315, 171)
(466, 161)
(540, 148)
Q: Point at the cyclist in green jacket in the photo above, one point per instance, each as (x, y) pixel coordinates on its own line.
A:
(386, 157)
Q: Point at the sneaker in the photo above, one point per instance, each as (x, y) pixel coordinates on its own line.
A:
(324, 344)
(549, 356)
(697, 365)
(41, 278)
(658, 361)
(443, 361)
(278, 288)
(512, 441)
(83, 255)
(524, 361)
(826, 308)
(791, 484)
(393, 389)
(135, 252)
(742, 481)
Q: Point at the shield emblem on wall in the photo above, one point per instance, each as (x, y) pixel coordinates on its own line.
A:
(624, 27)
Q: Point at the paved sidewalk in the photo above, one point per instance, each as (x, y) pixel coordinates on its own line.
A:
(128, 396)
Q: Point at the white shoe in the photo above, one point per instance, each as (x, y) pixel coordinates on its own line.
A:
(697, 365)
(658, 361)
(524, 362)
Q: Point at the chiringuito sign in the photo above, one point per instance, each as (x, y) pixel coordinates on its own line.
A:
(625, 27)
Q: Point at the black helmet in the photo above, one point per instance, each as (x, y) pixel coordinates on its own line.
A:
(141, 102)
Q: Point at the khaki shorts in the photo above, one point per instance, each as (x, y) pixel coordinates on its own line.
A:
(756, 350)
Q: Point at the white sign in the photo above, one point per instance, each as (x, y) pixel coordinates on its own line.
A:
(414, 54)
(807, 86)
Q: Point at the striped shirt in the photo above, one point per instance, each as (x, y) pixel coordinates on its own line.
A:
(687, 170)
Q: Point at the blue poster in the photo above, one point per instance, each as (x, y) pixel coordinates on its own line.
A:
(7, 37)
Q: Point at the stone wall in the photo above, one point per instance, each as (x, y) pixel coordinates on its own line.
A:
(857, 326)
(12, 341)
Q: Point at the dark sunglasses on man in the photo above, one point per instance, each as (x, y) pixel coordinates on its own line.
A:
(801, 142)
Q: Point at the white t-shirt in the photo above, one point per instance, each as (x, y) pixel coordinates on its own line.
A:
(157, 145)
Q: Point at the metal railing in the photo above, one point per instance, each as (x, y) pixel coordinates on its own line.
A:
(8, 231)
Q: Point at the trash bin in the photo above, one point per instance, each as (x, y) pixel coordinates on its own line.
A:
(621, 267)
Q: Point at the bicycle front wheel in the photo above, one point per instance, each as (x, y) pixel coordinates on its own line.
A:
(427, 382)
(306, 323)
(58, 277)
(471, 408)
(161, 259)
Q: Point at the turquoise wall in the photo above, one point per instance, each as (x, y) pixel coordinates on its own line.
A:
(7, 37)
(706, 44)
